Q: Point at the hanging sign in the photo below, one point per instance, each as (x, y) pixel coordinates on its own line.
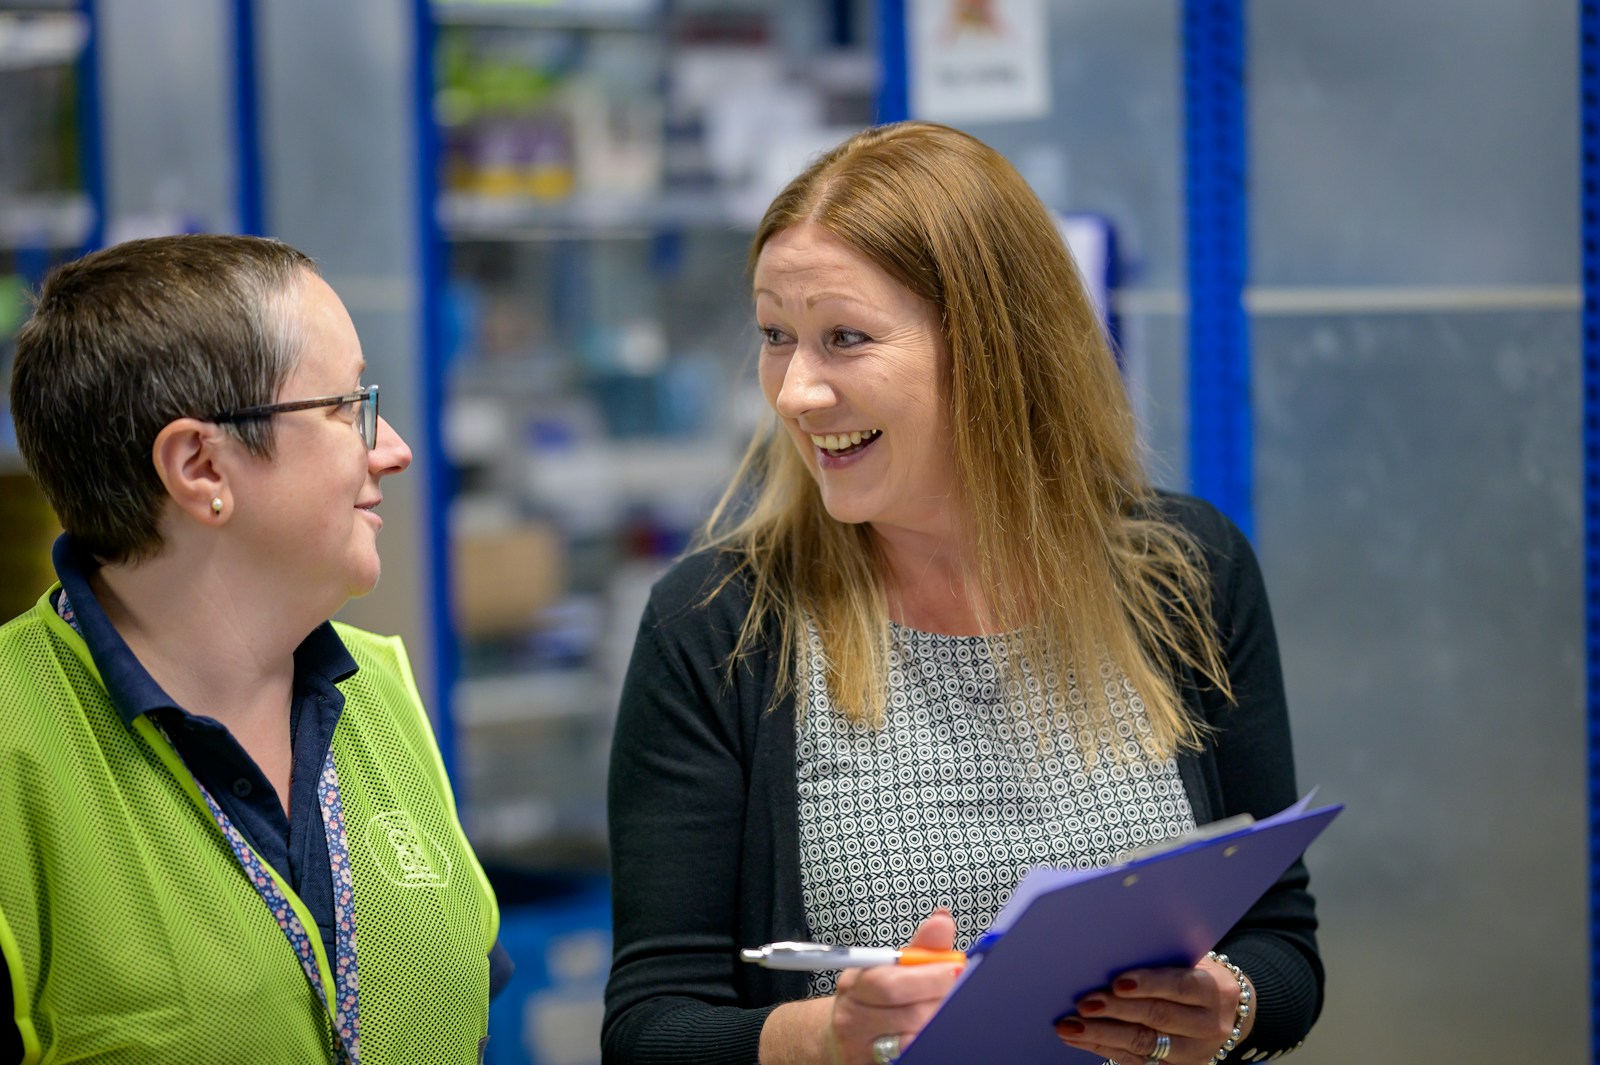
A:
(978, 60)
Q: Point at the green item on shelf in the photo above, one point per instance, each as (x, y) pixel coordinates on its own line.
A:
(13, 304)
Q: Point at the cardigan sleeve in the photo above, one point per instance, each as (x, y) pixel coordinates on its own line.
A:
(1251, 751)
(677, 797)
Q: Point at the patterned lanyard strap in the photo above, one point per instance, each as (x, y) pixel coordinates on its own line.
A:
(345, 1013)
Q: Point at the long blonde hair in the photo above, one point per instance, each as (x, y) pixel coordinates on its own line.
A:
(1078, 571)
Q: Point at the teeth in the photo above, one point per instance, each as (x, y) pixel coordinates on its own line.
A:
(840, 441)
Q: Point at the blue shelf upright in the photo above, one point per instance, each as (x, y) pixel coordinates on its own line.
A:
(438, 481)
(1216, 162)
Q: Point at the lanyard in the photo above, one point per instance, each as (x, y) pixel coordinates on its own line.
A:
(345, 1012)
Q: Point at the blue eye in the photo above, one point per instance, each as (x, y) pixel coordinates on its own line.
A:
(849, 338)
(772, 336)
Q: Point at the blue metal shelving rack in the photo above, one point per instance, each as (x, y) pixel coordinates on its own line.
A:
(91, 160)
(438, 488)
(249, 194)
(1220, 427)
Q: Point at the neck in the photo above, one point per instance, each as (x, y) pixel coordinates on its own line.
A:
(930, 586)
(204, 638)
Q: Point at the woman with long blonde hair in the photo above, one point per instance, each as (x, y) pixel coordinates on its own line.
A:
(941, 628)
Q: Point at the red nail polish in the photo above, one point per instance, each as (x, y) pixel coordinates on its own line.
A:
(1070, 1026)
(1126, 983)
(1091, 1005)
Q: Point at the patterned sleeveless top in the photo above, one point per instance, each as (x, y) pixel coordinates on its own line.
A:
(961, 791)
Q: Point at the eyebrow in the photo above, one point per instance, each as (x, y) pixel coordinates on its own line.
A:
(811, 301)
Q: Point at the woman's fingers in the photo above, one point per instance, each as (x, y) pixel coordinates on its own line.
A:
(1131, 1043)
(1193, 1008)
(936, 932)
(1162, 1015)
(893, 986)
(893, 1000)
(1207, 984)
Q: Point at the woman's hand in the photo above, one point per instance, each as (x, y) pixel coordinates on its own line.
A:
(891, 1000)
(1193, 1008)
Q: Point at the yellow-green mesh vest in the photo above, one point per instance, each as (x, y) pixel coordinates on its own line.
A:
(129, 929)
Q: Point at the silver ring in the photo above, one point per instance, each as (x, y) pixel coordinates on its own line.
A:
(886, 1049)
(1163, 1048)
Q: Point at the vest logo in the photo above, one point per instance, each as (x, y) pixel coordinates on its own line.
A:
(406, 855)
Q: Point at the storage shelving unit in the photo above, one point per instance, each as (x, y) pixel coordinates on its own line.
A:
(594, 194)
(51, 208)
(51, 195)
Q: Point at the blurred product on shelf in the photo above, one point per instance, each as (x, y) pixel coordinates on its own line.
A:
(540, 114)
(38, 142)
(44, 217)
(488, 602)
(30, 528)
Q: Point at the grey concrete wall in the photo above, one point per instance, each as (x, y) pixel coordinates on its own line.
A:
(340, 179)
(1417, 390)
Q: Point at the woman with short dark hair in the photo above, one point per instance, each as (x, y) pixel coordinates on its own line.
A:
(225, 831)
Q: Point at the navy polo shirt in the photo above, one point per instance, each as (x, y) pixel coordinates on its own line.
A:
(292, 843)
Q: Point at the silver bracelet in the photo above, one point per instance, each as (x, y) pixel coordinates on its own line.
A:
(1243, 1009)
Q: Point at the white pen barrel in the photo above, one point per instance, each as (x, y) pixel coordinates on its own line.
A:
(844, 958)
(861, 957)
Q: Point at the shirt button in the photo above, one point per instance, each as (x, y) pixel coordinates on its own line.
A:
(243, 788)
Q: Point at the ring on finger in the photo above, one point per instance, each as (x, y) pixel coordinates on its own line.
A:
(885, 1049)
(1162, 1049)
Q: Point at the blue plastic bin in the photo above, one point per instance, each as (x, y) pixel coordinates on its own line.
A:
(558, 931)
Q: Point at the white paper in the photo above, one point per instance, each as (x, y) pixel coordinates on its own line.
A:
(973, 60)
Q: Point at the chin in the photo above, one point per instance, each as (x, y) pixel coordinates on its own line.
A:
(364, 578)
(846, 514)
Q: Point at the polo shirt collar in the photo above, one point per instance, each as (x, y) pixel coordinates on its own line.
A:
(131, 688)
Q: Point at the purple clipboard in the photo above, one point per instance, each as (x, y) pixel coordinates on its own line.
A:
(1068, 932)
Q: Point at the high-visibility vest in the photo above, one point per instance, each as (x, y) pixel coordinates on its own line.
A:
(130, 930)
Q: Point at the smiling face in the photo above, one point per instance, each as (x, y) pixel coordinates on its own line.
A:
(855, 365)
(310, 509)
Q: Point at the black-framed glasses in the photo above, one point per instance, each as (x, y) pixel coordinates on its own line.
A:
(366, 397)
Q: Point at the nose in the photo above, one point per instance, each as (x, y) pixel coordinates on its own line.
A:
(392, 455)
(805, 386)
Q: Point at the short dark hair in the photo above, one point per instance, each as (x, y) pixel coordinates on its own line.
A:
(126, 340)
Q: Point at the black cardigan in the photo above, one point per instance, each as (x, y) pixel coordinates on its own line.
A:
(704, 827)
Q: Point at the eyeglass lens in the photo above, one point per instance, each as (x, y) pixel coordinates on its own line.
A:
(369, 417)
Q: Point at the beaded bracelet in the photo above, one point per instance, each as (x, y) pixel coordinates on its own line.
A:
(1243, 1010)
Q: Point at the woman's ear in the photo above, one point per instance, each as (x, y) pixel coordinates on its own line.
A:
(189, 457)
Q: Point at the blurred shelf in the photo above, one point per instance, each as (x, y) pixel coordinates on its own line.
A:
(519, 698)
(56, 221)
(40, 35)
(599, 15)
(469, 217)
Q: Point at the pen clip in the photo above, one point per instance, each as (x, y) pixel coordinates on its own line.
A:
(787, 949)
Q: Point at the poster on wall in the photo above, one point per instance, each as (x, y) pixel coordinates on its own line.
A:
(978, 60)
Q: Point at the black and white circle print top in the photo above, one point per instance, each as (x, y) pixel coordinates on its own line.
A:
(961, 791)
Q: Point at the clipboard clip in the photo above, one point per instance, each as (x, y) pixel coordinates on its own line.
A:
(1198, 834)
